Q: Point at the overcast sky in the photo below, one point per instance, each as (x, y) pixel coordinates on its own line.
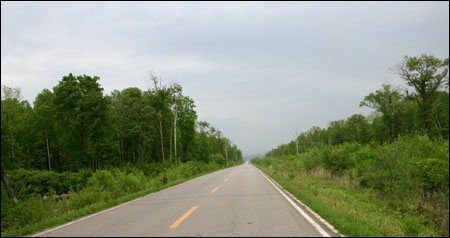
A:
(258, 71)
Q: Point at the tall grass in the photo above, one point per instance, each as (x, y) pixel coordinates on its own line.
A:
(102, 189)
(399, 189)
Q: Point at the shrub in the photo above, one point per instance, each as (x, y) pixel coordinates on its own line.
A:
(217, 158)
(433, 174)
(86, 197)
(103, 180)
(26, 182)
(311, 159)
(338, 159)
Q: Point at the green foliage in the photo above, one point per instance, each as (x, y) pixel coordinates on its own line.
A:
(399, 152)
(77, 127)
(338, 159)
(217, 158)
(409, 175)
(100, 148)
(41, 182)
(425, 111)
(94, 189)
(432, 173)
(427, 75)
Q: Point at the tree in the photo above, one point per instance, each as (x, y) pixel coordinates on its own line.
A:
(175, 101)
(80, 112)
(10, 106)
(44, 118)
(161, 99)
(385, 101)
(14, 125)
(186, 117)
(8, 187)
(427, 75)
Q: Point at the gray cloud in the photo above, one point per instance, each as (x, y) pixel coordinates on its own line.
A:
(258, 71)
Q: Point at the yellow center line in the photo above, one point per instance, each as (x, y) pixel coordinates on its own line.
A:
(214, 190)
(226, 179)
(231, 174)
(181, 219)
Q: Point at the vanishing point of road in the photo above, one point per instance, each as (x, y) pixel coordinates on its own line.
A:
(237, 201)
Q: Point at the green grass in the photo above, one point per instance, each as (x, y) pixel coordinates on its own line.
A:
(62, 216)
(352, 211)
(84, 211)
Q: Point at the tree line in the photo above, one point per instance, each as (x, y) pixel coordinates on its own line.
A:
(76, 126)
(396, 159)
(424, 111)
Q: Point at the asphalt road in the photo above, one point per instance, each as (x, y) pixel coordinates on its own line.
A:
(237, 201)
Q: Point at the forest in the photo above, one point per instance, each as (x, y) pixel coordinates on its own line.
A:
(386, 173)
(91, 149)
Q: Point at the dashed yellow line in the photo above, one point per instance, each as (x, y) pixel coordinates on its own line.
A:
(225, 180)
(214, 190)
(181, 219)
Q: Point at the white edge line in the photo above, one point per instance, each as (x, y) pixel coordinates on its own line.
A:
(308, 218)
(112, 208)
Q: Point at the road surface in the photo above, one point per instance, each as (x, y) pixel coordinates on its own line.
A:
(237, 201)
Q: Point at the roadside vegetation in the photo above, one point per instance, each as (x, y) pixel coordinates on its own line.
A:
(41, 206)
(77, 151)
(386, 174)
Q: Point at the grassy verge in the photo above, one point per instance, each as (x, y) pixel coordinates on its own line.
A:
(53, 212)
(353, 211)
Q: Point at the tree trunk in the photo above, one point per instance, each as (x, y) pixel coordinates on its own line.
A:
(120, 154)
(170, 145)
(82, 144)
(8, 188)
(123, 153)
(389, 132)
(48, 151)
(142, 155)
(12, 147)
(226, 152)
(161, 134)
(438, 126)
(175, 137)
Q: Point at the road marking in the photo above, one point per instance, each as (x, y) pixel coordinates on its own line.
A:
(112, 208)
(226, 179)
(214, 190)
(231, 174)
(308, 218)
(181, 219)
(120, 205)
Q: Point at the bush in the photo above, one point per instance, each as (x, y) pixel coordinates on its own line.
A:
(26, 182)
(103, 180)
(153, 169)
(338, 159)
(217, 158)
(311, 159)
(84, 187)
(433, 174)
(86, 197)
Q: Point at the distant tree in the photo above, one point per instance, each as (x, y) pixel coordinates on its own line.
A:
(427, 75)
(11, 120)
(175, 92)
(44, 118)
(161, 98)
(385, 100)
(80, 112)
(186, 118)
